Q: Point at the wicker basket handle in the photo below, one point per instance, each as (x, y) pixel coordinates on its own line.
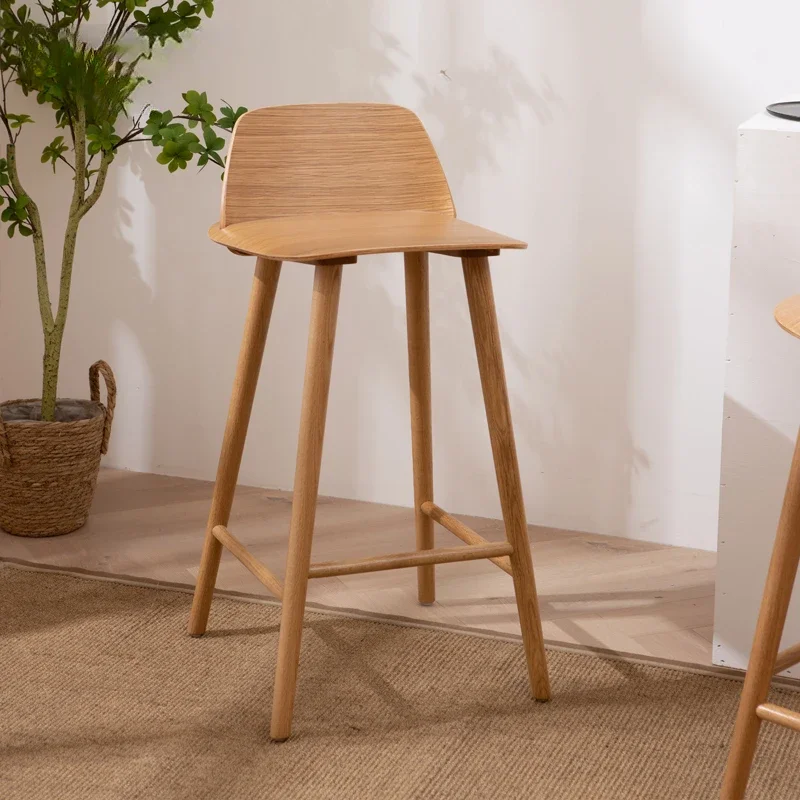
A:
(5, 451)
(97, 369)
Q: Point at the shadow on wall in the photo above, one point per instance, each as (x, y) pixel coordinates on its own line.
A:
(755, 465)
(471, 113)
(578, 454)
(185, 299)
(584, 446)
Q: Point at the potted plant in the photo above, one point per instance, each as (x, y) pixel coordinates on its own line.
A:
(50, 448)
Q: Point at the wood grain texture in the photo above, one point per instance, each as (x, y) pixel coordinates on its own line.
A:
(313, 237)
(418, 324)
(501, 433)
(441, 555)
(237, 549)
(462, 531)
(319, 358)
(787, 315)
(343, 157)
(771, 621)
(779, 715)
(325, 182)
(787, 658)
(262, 299)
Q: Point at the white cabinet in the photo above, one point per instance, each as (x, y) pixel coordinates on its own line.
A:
(762, 386)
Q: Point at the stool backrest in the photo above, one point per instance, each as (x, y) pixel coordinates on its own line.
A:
(344, 157)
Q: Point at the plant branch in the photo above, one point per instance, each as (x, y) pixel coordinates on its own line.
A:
(45, 12)
(4, 107)
(79, 143)
(81, 13)
(99, 184)
(130, 136)
(67, 163)
(78, 195)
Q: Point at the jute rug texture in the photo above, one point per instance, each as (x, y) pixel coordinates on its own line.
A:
(103, 696)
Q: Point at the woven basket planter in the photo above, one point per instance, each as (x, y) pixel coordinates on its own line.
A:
(48, 470)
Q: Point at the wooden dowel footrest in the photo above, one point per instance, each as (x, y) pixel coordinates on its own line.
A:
(779, 715)
(459, 529)
(787, 658)
(418, 558)
(229, 541)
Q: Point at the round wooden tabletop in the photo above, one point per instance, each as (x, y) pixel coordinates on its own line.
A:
(787, 315)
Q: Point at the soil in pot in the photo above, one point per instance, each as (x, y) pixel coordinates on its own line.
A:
(66, 410)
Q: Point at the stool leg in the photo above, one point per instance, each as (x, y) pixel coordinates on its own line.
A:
(262, 298)
(771, 619)
(324, 308)
(419, 372)
(482, 311)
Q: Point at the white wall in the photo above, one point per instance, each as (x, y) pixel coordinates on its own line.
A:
(603, 133)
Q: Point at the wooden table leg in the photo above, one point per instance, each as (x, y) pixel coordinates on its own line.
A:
(262, 298)
(495, 395)
(324, 309)
(771, 619)
(419, 373)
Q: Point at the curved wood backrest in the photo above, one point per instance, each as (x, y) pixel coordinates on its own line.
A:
(348, 157)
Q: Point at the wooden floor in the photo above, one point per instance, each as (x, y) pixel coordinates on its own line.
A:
(614, 593)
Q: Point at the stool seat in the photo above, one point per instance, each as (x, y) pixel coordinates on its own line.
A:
(320, 237)
(787, 315)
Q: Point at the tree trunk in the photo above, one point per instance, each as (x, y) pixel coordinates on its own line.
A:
(52, 357)
(53, 328)
(54, 337)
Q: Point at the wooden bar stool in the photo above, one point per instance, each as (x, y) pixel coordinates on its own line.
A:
(765, 658)
(322, 185)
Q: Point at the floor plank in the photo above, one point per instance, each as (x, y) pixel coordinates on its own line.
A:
(628, 596)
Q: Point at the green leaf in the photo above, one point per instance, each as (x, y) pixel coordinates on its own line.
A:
(101, 138)
(213, 142)
(229, 117)
(155, 122)
(198, 107)
(172, 131)
(16, 121)
(16, 214)
(179, 150)
(54, 151)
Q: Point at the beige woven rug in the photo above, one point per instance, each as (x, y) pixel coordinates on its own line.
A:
(103, 695)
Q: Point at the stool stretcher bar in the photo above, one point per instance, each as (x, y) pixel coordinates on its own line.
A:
(780, 716)
(228, 540)
(787, 658)
(417, 558)
(459, 529)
